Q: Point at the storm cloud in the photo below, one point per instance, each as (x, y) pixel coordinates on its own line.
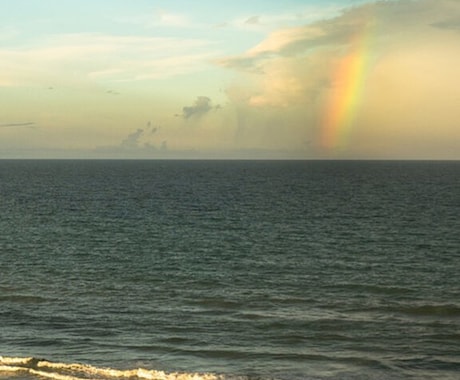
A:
(409, 80)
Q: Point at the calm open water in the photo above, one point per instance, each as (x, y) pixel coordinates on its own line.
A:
(229, 269)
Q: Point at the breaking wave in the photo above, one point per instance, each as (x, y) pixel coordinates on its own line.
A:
(42, 368)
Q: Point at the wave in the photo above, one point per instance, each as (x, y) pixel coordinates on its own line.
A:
(42, 368)
(22, 299)
(430, 310)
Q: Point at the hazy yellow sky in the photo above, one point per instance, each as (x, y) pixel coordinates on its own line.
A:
(179, 79)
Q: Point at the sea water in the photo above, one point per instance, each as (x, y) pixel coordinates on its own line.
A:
(229, 270)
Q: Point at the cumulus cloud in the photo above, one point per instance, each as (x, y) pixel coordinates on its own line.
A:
(137, 143)
(200, 107)
(132, 140)
(406, 57)
(140, 138)
(384, 21)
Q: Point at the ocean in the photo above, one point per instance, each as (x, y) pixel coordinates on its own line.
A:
(189, 270)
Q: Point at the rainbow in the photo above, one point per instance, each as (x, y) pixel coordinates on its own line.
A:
(343, 101)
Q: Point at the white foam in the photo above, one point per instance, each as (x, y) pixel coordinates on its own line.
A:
(76, 371)
(9, 368)
(9, 361)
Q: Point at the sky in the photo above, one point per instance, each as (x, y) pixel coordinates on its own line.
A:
(262, 79)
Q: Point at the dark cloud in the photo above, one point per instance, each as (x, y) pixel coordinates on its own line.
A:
(132, 140)
(151, 129)
(201, 106)
(137, 144)
(28, 124)
(453, 23)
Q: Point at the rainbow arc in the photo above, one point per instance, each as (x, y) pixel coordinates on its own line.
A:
(348, 81)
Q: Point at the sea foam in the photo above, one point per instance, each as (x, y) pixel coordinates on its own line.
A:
(75, 371)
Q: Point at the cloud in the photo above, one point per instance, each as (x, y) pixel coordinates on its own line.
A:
(138, 143)
(387, 20)
(132, 140)
(29, 124)
(299, 14)
(410, 83)
(157, 18)
(450, 23)
(254, 20)
(201, 106)
(170, 19)
(87, 57)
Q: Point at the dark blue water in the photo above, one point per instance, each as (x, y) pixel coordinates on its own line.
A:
(253, 269)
